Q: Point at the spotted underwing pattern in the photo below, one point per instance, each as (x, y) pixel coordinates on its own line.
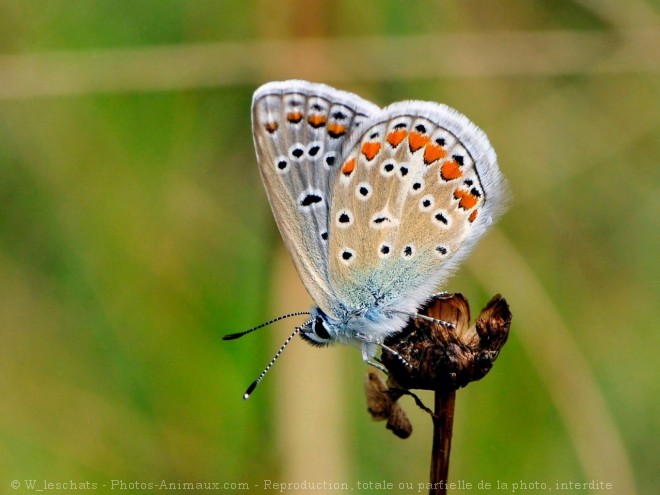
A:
(376, 206)
(299, 130)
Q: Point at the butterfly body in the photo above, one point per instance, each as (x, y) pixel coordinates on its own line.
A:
(359, 326)
(376, 206)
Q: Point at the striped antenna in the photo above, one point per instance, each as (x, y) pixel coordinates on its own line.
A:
(254, 384)
(233, 336)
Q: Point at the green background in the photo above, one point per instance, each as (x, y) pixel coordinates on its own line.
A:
(135, 232)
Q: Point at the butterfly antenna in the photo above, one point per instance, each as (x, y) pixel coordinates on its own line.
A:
(254, 384)
(233, 336)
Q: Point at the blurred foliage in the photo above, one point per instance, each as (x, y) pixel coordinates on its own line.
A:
(134, 232)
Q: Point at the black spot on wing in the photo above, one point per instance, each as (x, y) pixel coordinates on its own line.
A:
(441, 218)
(311, 199)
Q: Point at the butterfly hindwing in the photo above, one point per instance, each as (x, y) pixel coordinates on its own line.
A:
(418, 186)
(299, 130)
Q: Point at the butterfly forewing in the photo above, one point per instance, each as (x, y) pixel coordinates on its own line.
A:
(417, 187)
(299, 131)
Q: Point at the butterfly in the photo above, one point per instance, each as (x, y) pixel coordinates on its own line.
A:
(377, 206)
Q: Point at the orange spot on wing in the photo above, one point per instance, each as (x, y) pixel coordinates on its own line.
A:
(294, 117)
(433, 152)
(467, 200)
(317, 120)
(395, 137)
(450, 170)
(271, 127)
(370, 150)
(348, 167)
(473, 216)
(417, 140)
(336, 130)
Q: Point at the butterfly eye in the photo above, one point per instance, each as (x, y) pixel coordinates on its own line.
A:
(320, 330)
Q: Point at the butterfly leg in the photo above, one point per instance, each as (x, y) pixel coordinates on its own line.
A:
(368, 352)
(377, 366)
(443, 293)
(374, 364)
(369, 349)
(443, 323)
(399, 356)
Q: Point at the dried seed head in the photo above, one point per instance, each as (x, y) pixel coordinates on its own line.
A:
(447, 359)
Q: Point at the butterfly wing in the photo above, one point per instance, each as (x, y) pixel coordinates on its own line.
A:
(419, 185)
(299, 129)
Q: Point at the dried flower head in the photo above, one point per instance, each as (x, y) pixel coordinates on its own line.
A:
(440, 358)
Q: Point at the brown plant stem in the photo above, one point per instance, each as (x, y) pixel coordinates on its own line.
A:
(443, 423)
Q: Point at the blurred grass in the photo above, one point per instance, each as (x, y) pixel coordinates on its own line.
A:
(134, 232)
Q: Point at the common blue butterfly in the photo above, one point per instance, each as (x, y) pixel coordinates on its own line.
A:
(377, 206)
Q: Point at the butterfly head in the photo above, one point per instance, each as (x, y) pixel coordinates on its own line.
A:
(357, 327)
(320, 330)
